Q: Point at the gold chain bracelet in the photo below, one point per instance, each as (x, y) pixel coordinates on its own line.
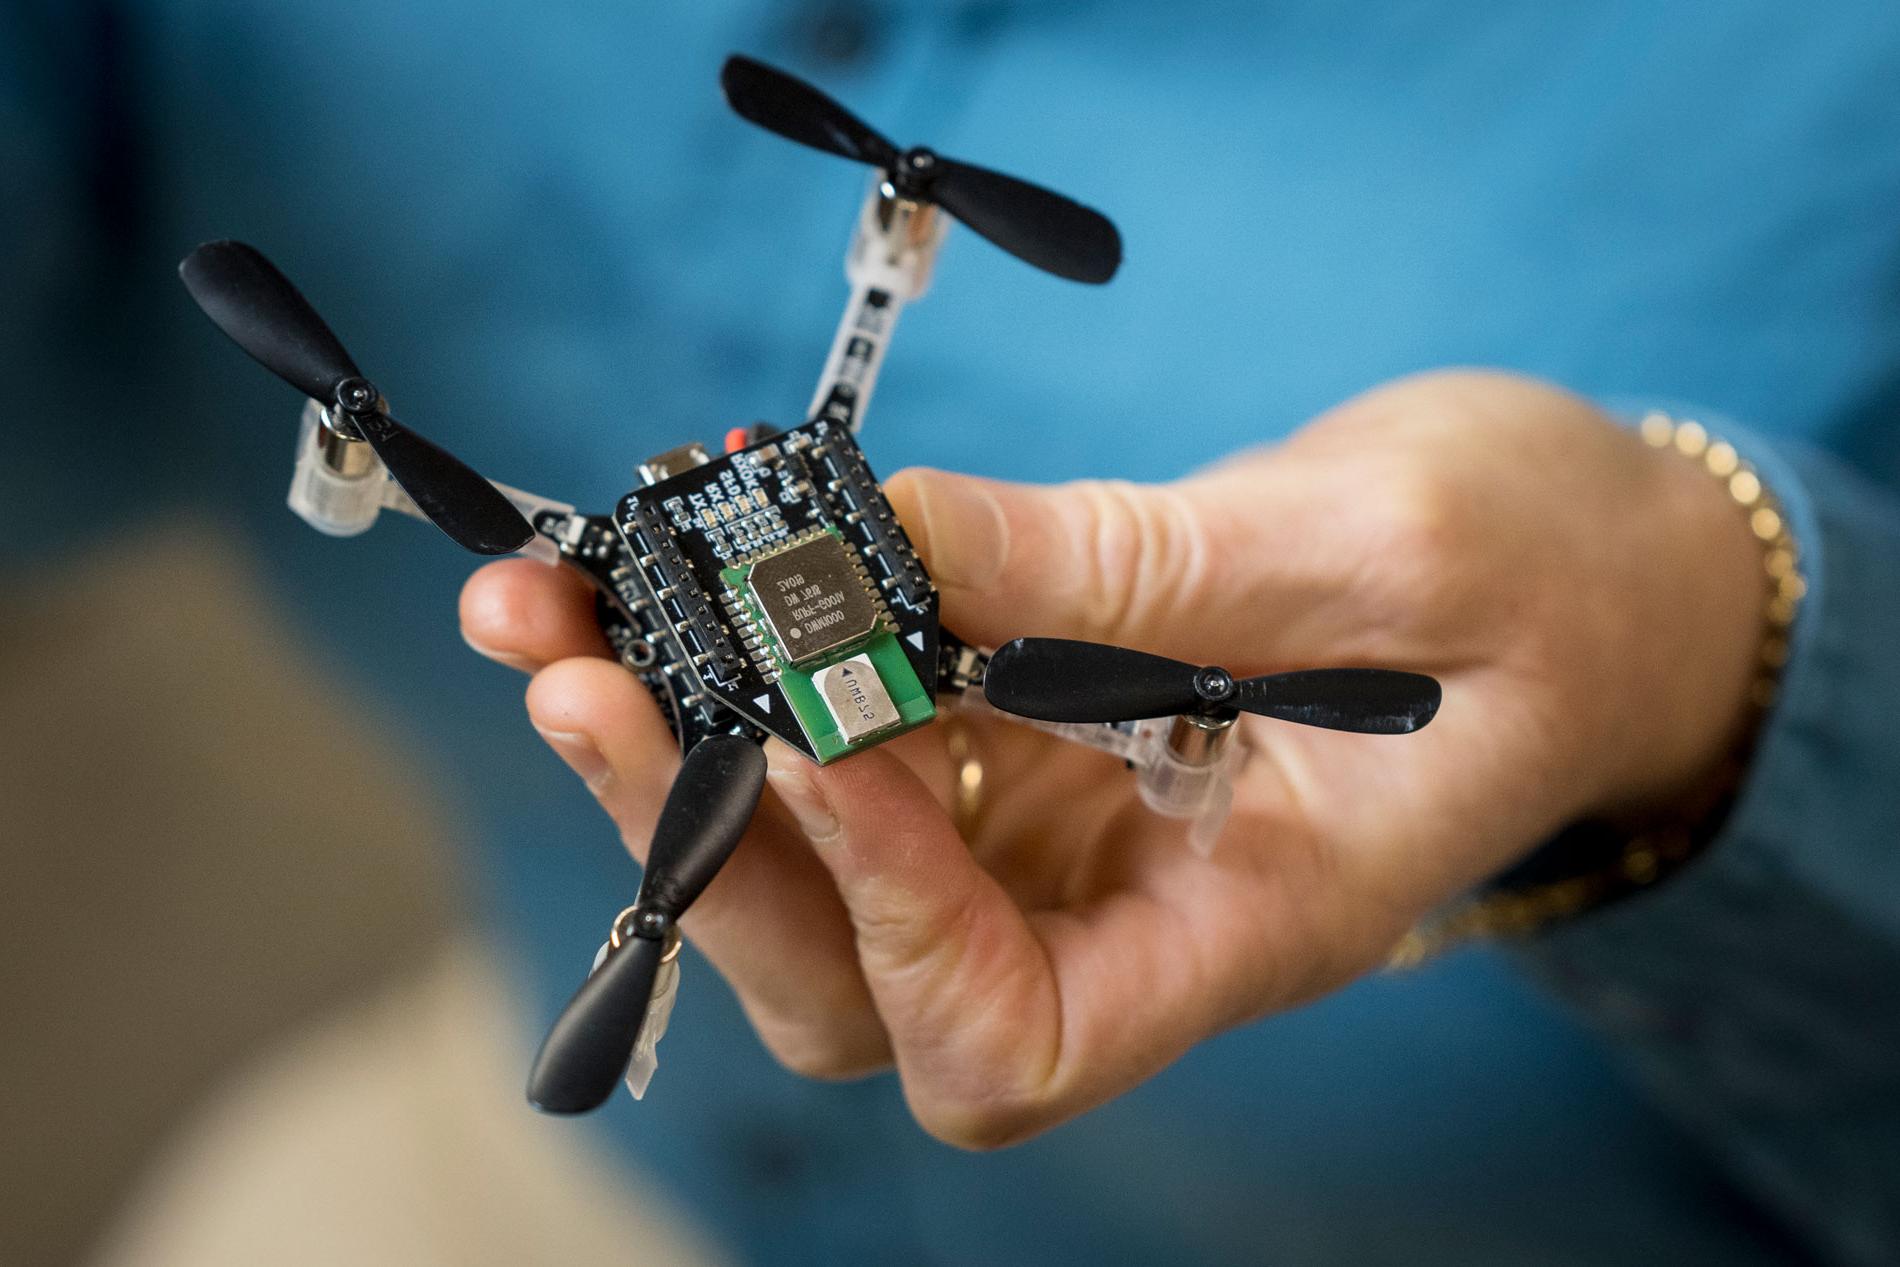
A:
(1617, 862)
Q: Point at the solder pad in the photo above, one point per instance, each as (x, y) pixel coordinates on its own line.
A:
(813, 598)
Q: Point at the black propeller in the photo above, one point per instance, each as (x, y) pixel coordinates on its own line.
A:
(711, 802)
(1043, 228)
(1056, 679)
(247, 298)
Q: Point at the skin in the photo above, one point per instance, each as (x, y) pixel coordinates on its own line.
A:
(1591, 606)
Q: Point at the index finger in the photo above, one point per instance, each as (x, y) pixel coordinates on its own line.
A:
(528, 615)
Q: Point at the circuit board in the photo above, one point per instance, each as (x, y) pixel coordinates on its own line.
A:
(768, 590)
(636, 629)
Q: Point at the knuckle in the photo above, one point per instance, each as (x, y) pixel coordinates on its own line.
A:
(1417, 505)
(904, 941)
(1142, 550)
(990, 1103)
(977, 1127)
(823, 1053)
(1418, 527)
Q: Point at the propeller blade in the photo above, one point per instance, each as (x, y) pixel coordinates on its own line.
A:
(454, 496)
(1367, 701)
(789, 106)
(585, 1055)
(707, 810)
(1036, 225)
(247, 298)
(1058, 679)
(709, 807)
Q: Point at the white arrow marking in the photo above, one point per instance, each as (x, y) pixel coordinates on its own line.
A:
(764, 703)
(915, 639)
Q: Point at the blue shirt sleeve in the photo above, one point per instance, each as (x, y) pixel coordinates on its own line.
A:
(1757, 992)
(92, 434)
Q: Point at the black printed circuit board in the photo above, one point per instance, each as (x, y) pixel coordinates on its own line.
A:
(769, 588)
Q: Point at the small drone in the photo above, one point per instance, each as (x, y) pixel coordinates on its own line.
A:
(769, 591)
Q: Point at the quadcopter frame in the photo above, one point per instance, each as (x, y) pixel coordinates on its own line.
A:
(1183, 764)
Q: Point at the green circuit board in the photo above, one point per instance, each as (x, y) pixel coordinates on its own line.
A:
(818, 624)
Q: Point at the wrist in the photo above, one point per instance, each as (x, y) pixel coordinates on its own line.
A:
(1734, 597)
(1707, 639)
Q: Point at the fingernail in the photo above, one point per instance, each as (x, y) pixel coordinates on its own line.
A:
(790, 776)
(500, 657)
(581, 755)
(965, 534)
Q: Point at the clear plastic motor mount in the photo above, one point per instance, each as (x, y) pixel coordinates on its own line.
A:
(1188, 780)
(894, 244)
(1184, 777)
(339, 503)
(666, 988)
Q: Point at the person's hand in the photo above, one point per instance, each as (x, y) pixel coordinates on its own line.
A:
(1590, 605)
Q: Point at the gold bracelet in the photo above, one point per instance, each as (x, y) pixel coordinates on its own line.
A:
(1620, 862)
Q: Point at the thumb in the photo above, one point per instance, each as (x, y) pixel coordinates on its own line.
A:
(966, 991)
(1003, 1020)
(1102, 560)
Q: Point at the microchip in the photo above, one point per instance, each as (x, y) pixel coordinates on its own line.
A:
(812, 598)
(856, 698)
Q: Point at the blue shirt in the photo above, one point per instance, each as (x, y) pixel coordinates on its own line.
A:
(538, 228)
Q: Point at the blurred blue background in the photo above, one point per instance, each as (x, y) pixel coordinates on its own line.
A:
(540, 231)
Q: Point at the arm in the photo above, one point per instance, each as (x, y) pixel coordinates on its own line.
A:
(1758, 992)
